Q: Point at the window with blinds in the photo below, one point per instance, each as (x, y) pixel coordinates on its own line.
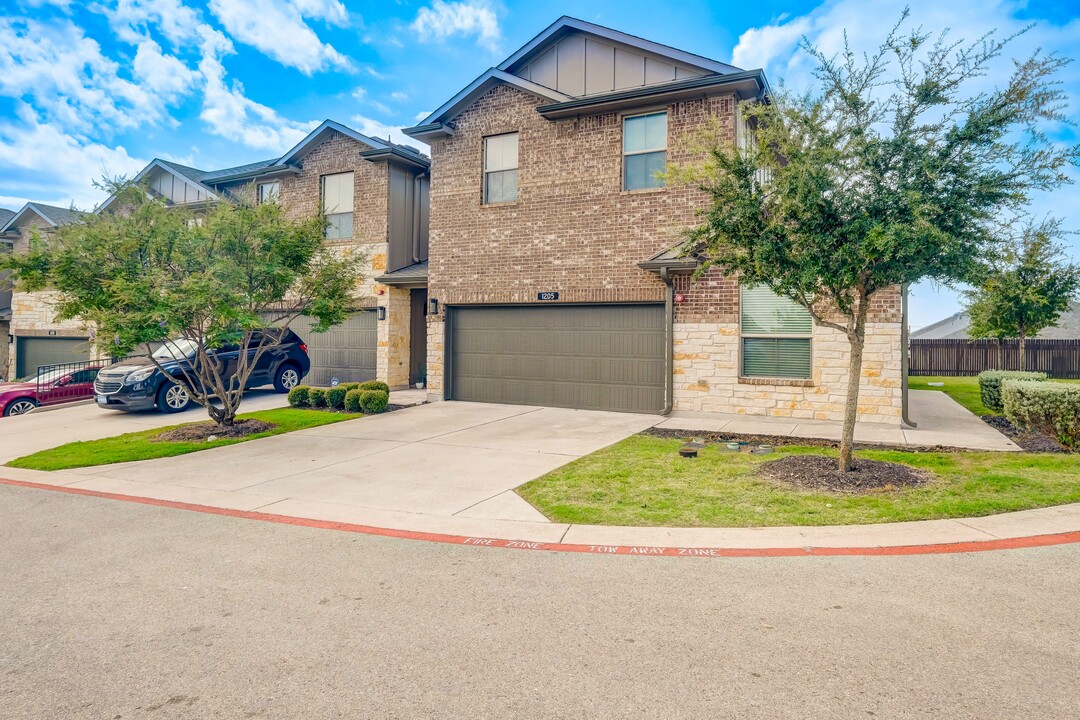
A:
(269, 192)
(776, 335)
(644, 151)
(501, 168)
(337, 197)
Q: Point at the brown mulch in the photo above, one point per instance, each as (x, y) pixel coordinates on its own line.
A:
(200, 432)
(1030, 441)
(814, 472)
(784, 440)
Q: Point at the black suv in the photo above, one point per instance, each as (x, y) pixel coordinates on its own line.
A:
(136, 384)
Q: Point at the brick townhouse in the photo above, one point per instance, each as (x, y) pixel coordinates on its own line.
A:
(375, 195)
(554, 275)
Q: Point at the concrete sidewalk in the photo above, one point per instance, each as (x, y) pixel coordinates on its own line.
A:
(940, 421)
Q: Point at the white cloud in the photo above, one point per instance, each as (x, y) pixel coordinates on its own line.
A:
(421, 115)
(277, 29)
(165, 74)
(131, 20)
(376, 129)
(399, 96)
(57, 167)
(444, 20)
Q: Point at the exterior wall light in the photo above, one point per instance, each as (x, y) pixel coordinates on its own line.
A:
(433, 306)
(382, 312)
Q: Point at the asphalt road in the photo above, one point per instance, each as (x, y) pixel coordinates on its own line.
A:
(116, 610)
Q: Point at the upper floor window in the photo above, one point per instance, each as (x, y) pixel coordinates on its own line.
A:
(269, 192)
(337, 196)
(644, 150)
(501, 168)
(776, 335)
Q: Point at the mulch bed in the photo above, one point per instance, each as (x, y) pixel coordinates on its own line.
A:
(201, 432)
(1028, 440)
(814, 472)
(784, 440)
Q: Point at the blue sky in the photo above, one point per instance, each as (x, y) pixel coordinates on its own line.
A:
(106, 85)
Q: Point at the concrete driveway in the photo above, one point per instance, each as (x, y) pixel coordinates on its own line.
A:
(44, 429)
(445, 459)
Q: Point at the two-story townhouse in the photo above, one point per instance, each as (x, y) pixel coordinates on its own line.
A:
(374, 194)
(36, 336)
(554, 275)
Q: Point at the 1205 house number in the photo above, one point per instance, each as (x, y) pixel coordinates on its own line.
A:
(547, 296)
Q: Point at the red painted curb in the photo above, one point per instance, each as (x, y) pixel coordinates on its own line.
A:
(933, 549)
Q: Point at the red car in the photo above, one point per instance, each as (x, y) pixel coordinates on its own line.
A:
(53, 387)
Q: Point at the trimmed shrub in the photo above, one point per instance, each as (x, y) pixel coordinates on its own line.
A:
(298, 396)
(1049, 407)
(335, 398)
(352, 400)
(317, 397)
(373, 401)
(349, 386)
(990, 385)
(375, 385)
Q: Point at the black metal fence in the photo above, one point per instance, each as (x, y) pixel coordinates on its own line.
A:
(1056, 358)
(70, 381)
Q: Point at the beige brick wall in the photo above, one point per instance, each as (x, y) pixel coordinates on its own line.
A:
(393, 357)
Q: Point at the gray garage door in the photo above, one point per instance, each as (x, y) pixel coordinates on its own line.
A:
(31, 352)
(590, 357)
(345, 351)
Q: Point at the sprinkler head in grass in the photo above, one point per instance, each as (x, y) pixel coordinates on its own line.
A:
(688, 451)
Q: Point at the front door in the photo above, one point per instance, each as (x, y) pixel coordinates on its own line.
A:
(418, 336)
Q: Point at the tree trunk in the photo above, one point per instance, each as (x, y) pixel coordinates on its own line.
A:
(1023, 354)
(847, 438)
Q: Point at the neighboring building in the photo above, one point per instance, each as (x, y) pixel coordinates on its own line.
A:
(38, 338)
(375, 195)
(6, 241)
(955, 327)
(552, 278)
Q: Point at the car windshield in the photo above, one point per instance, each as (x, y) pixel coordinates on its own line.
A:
(47, 376)
(176, 349)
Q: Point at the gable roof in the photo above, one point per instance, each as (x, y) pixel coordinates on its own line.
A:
(955, 327)
(54, 216)
(313, 139)
(566, 25)
(689, 73)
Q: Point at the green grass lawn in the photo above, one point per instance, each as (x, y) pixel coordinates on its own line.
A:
(643, 481)
(964, 390)
(143, 446)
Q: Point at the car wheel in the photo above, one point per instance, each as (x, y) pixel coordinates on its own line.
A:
(287, 378)
(172, 398)
(20, 406)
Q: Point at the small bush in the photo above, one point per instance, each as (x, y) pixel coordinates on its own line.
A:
(317, 397)
(349, 386)
(352, 400)
(375, 385)
(373, 401)
(990, 385)
(298, 396)
(335, 398)
(1049, 407)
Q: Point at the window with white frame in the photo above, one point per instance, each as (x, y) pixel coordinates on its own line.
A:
(501, 168)
(269, 191)
(337, 194)
(644, 150)
(776, 335)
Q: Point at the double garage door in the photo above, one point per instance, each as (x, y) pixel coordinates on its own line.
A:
(346, 351)
(33, 352)
(588, 357)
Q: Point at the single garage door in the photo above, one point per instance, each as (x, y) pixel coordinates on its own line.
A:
(345, 351)
(32, 352)
(589, 357)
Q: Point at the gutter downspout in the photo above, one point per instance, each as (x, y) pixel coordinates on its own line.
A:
(416, 217)
(905, 348)
(669, 342)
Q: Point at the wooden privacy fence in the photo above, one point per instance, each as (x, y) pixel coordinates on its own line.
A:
(1056, 358)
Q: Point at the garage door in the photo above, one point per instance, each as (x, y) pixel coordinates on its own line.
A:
(590, 357)
(32, 352)
(345, 351)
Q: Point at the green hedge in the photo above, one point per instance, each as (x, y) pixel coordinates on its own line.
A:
(317, 397)
(1049, 407)
(298, 396)
(335, 398)
(352, 400)
(375, 385)
(373, 401)
(990, 385)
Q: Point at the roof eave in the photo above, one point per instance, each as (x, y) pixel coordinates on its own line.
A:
(681, 266)
(430, 131)
(396, 156)
(480, 86)
(749, 84)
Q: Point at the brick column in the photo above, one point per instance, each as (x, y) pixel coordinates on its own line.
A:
(392, 363)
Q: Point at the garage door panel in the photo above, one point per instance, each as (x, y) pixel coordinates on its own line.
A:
(33, 352)
(346, 351)
(602, 357)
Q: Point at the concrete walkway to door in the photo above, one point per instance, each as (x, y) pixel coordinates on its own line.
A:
(448, 459)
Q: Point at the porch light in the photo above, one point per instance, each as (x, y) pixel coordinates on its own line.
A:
(382, 312)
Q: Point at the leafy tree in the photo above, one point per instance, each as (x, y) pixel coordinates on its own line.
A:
(894, 170)
(1025, 289)
(237, 274)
